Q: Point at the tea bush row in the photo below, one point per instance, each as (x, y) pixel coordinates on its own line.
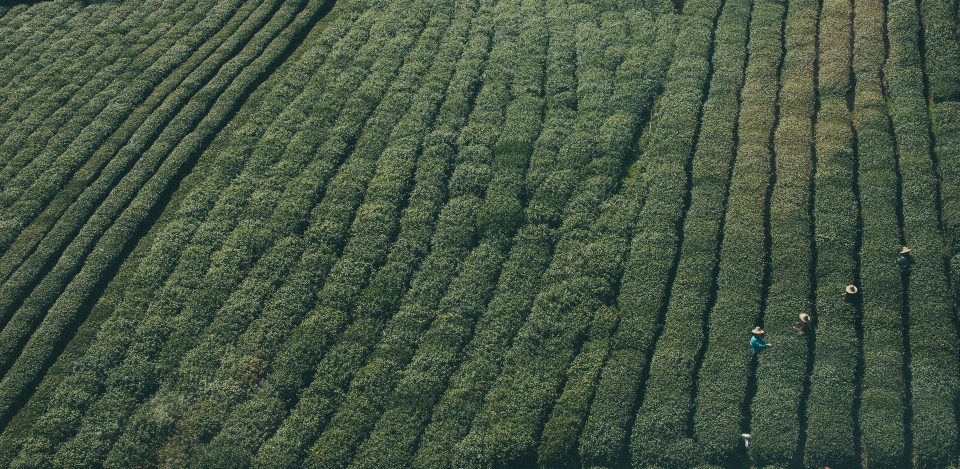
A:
(62, 315)
(931, 332)
(722, 383)
(661, 436)
(604, 436)
(777, 407)
(343, 196)
(884, 386)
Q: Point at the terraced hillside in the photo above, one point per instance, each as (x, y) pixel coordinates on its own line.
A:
(479, 233)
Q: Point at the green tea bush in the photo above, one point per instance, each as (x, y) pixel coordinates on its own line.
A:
(776, 407)
(71, 208)
(722, 382)
(883, 387)
(660, 435)
(830, 406)
(941, 51)
(558, 442)
(112, 242)
(948, 155)
(604, 436)
(67, 84)
(931, 331)
(343, 196)
(427, 364)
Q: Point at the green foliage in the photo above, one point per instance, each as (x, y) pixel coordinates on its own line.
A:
(724, 371)
(777, 407)
(883, 389)
(660, 435)
(931, 328)
(484, 234)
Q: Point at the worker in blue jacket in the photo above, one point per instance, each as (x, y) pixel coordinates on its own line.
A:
(757, 344)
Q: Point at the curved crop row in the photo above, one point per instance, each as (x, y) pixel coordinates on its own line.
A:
(41, 21)
(456, 407)
(661, 435)
(297, 356)
(187, 354)
(62, 216)
(292, 366)
(96, 79)
(146, 285)
(501, 113)
(13, 19)
(586, 261)
(69, 65)
(339, 298)
(109, 150)
(249, 67)
(831, 428)
(777, 409)
(112, 166)
(21, 324)
(393, 441)
(561, 431)
(932, 326)
(884, 385)
(64, 71)
(30, 188)
(604, 437)
(722, 383)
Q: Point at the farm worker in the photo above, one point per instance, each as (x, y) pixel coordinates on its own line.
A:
(849, 293)
(757, 344)
(905, 258)
(803, 326)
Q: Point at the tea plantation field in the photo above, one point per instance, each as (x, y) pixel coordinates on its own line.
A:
(370, 234)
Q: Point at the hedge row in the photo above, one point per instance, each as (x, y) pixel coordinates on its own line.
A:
(54, 88)
(661, 435)
(585, 265)
(98, 107)
(22, 323)
(832, 436)
(56, 85)
(393, 441)
(343, 195)
(562, 430)
(777, 407)
(724, 373)
(55, 161)
(941, 50)
(15, 19)
(603, 440)
(883, 386)
(69, 209)
(120, 197)
(337, 296)
(39, 24)
(89, 82)
(948, 152)
(455, 409)
(289, 371)
(424, 341)
(61, 316)
(175, 238)
(932, 329)
(62, 39)
(506, 430)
